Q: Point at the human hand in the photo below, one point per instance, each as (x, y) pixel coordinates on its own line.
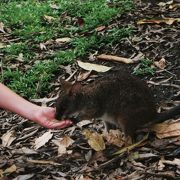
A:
(45, 117)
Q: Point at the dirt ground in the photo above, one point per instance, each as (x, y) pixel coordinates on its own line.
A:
(155, 158)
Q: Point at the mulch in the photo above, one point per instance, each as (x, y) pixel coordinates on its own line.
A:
(155, 159)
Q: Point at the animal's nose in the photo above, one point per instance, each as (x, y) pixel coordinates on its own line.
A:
(73, 116)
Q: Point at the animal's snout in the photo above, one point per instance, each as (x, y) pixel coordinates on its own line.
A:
(72, 117)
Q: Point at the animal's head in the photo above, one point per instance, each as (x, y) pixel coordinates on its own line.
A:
(69, 101)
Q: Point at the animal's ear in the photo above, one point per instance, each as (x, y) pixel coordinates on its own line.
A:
(65, 85)
(75, 88)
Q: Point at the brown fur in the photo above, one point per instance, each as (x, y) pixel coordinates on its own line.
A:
(120, 98)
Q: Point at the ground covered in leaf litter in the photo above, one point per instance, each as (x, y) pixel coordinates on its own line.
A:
(32, 152)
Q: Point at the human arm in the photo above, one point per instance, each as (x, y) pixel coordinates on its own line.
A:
(44, 116)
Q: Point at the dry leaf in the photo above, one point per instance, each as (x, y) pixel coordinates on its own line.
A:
(63, 40)
(92, 57)
(115, 58)
(164, 130)
(138, 57)
(24, 177)
(24, 150)
(8, 138)
(80, 21)
(114, 137)
(161, 165)
(175, 162)
(100, 28)
(43, 162)
(168, 21)
(174, 6)
(165, 3)
(83, 76)
(66, 141)
(20, 57)
(83, 123)
(49, 19)
(2, 45)
(54, 6)
(83, 177)
(93, 67)
(42, 46)
(42, 140)
(2, 27)
(95, 140)
(126, 149)
(161, 64)
(63, 144)
(10, 170)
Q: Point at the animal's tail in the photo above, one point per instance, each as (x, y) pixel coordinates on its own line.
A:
(171, 113)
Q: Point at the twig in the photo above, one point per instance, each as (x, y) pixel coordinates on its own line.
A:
(71, 75)
(166, 174)
(107, 163)
(162, 70)
(167, 84)
(44, 100)
(115, 58)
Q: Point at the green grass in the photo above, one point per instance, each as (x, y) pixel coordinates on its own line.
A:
(145, 68)
(25, 21)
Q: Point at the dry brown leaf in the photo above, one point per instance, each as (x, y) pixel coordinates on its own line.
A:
(100, 28)
(93, 67)
(63, 40)
(63, 144)
(126, 149)
(66, 141)
(80, 21)
(115, 58)
(11, 169)
(161, 64)
(164, 130)
(83, 76)
(42, 140)
(95, 140)
(168, 21)
(49, 19)
(114, 137)
(8, 138)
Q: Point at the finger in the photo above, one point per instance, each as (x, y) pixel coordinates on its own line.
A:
(58, 124)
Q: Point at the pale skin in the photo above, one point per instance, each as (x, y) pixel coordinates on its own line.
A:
(44, 116)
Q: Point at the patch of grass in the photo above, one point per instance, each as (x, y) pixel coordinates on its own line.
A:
(33, 83)
(13, 50)
(115, 35)
(26, 21)
(144, 68)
